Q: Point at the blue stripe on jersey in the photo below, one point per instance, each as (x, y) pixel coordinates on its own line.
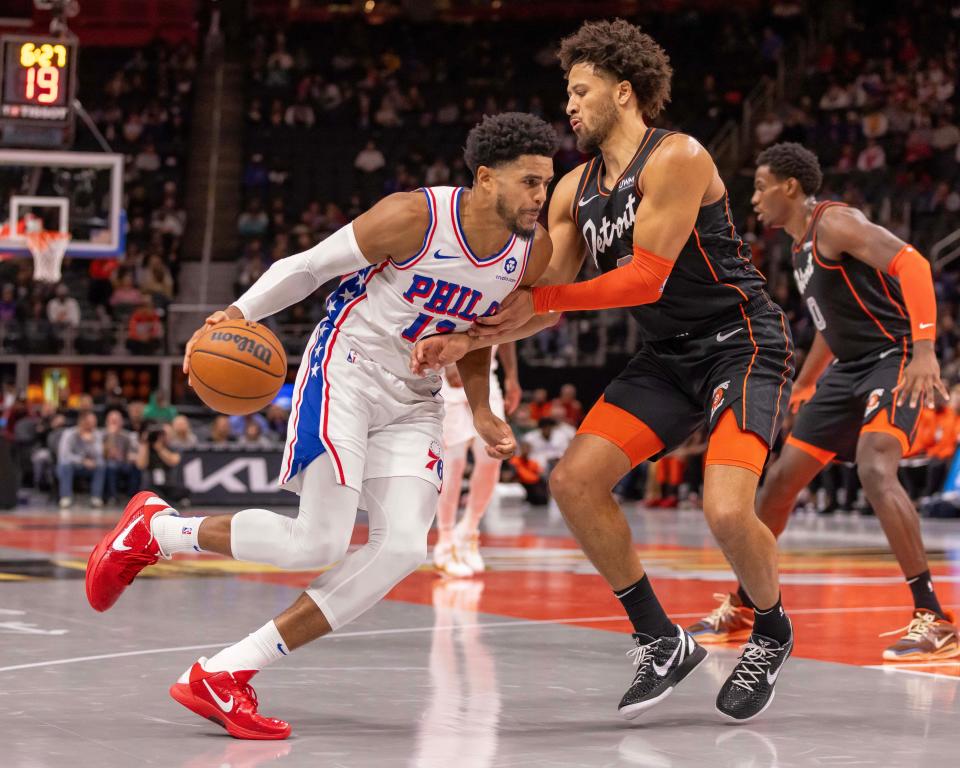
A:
(309, 444)
(349, 289)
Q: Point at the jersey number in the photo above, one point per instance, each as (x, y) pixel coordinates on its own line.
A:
(816, 314)
(415, 330)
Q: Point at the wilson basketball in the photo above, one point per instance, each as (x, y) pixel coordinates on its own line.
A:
(237, 367)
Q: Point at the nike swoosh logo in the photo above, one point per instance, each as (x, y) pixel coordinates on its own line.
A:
(662, 671)
(889, 352)
(438, 255)
(226, 706)
(725, 336)
(938, 644)
(925, 325)
(584, 202)
(118, 542)
(771, 679)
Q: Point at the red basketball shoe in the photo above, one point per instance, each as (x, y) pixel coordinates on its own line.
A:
(228, 699)
(125, 551)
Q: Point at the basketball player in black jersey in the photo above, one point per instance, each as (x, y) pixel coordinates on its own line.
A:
(652, 212)
(871, 299)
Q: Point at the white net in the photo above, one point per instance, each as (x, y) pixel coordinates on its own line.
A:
(48, 249)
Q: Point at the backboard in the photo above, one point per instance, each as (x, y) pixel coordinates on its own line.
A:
(79, 193)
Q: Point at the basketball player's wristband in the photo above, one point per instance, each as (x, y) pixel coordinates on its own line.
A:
(639, 282)
(916, 284)
(294, 278)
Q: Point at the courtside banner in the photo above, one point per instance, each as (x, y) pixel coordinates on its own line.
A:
(234, 478)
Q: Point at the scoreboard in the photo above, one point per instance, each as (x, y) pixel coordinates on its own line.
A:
(38, 78)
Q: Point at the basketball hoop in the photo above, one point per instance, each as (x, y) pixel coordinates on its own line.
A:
(48, 248)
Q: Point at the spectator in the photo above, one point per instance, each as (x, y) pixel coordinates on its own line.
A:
(157, 281)
(80, 453)
(253, 436)
(571, 408)
(169, 220)
(125, 293)
(120, 451)
(49, 430)
(220, 434)
(530, 475)
(144, 329)
(253, 221)
(135, 416)
(369, 159)
(63, 311)
(277, 419)
(159, 408)
(768, 130)
(182, 437)
(548, 442)
(540, 405)
(871, 158)
(159, 464)
(8, 303)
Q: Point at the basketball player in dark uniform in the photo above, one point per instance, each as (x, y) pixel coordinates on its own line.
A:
(871, 299)
(652, 212)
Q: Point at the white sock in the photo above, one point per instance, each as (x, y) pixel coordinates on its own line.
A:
(255, 651)
(176, 534)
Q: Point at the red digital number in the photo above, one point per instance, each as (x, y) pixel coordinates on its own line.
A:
(43, 83)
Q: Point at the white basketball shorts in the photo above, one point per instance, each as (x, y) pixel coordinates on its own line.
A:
(372, 423)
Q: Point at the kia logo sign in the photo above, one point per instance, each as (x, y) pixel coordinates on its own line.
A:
(218, 477)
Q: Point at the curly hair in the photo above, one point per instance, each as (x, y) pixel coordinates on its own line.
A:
(502, 138)
(620, 48)
(790, 160)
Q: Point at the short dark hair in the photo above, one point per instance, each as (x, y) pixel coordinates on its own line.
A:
(791, 160)
(502, 138)
(620, 48)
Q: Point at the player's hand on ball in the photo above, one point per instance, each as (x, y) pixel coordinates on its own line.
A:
(516, 309)
(437, 352)
(496, 433)
(230, 313)
(921, 378)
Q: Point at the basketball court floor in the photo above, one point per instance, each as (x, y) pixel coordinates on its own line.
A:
(522, 667)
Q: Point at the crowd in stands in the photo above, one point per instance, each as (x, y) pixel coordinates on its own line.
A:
(140, 101)
(115, 446)
(387, 108)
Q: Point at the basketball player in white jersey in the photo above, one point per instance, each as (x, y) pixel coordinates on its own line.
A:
(364, 432)
(457, 551)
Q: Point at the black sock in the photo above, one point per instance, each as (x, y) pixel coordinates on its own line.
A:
(772, 623)
(645, 612)
(744, 597)
(923, 595)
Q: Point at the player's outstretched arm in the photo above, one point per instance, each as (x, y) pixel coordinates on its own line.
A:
(847, 230)
(393, 228)
(674, 184)
(474, 370)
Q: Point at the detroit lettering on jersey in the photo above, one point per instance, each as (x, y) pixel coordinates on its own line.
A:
(713, 275)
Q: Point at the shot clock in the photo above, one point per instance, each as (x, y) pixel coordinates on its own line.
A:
(38, 79)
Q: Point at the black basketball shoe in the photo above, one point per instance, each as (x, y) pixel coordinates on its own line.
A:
(749, 689)
(661, 664)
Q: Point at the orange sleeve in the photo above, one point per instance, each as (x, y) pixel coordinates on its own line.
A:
(639, 282)
(916, 284)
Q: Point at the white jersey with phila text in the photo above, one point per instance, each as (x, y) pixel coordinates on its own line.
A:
(382, 310)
